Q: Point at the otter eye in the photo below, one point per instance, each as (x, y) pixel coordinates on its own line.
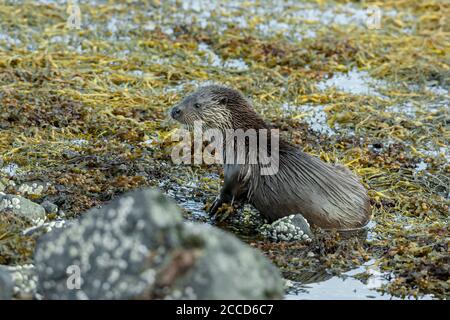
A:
(197, 105)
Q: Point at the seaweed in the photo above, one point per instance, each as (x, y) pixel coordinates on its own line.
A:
(87, 111)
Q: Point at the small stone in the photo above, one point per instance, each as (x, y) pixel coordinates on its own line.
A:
(49, 207)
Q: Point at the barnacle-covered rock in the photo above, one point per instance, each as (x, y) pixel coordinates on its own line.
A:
(289, 228)
(22, 207)
(35, 188)
(139, 247)
(24, 280)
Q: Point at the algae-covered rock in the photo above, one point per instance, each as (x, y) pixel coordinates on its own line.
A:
(22, 207)
(139, 247)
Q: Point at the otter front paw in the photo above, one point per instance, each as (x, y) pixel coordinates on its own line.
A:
(221, 209)
(216, 205)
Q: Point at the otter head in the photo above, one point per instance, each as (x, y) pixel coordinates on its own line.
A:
(215, 106)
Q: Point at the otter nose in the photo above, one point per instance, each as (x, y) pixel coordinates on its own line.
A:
(175, 112)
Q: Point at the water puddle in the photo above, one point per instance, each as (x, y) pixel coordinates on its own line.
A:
(211, 59)
(354, 82)
(314, 115)
(346, 286)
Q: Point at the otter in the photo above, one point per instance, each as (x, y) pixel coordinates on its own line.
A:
(328, 196)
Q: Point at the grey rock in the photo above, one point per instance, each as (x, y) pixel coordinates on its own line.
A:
(301, 224)
(138, 247)
(22, 207)
(70, 154)
(6, 284)
(227, 269)
(289, 228)
(49, 207)
(24, 279)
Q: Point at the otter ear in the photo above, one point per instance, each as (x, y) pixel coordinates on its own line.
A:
(223, 100)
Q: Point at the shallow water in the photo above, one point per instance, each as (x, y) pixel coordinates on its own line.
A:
(345, 287)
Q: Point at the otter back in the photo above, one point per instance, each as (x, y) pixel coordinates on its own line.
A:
(327, 196)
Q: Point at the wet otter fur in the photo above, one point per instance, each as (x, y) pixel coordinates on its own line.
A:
(328, 196)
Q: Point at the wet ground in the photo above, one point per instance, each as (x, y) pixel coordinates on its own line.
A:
(86, 112)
